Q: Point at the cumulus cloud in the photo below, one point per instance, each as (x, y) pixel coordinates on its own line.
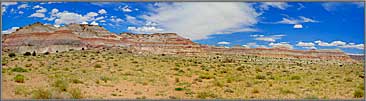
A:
(37, 6)
(307, 45)
(12, 29)
(20, 12)
(102, 11)
(84, 23)
(223, 43)
(281, 45)
(200, 20)
(340, 44)
(255, 45)
(279, 5)
(298, 26)
(94, 23)
(334, 43)
(271, 38)
(69, 17)
(144, 29)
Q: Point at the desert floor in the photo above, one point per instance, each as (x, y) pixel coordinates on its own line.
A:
(119, 74)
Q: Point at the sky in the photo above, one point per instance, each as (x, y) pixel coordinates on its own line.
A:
(293, 25)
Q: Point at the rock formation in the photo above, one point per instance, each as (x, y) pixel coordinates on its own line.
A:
(47, 38)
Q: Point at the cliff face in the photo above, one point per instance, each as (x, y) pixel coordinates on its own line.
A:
(46, 38)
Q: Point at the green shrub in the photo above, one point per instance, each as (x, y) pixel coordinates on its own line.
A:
(179, 89)
(255, 91)
(76, 93)
(41, 94)
(358, 93)
(104, 78)
(19, 78)
(19, 69)
(61, 84)
(76, 81)
(260, 77)
(97, 66)
(204, 95)
(295, 77)
(12, 55)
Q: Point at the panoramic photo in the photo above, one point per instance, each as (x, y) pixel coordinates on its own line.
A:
(182, 50)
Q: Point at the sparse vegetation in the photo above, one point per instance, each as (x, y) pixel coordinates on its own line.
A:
(19, 78)
(88, 74)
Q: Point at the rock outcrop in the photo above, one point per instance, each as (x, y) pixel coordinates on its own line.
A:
(47, 38)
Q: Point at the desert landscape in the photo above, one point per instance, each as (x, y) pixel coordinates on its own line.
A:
(83, 61)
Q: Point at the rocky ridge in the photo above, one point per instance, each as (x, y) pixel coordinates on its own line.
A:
(42, 38)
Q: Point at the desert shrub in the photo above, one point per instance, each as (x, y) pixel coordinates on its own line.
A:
(76, 93)
(260, 77)
(21, 90)
(219, 83)
(295, 77)
(97, 66)
(19, 69)
(76, 81)
(46, 53)
(137, 93)
(348, 79)
(204, 95)
(105, 79)
(206, 76)
(179, 89)
(41, 94)
(27, 54)
(19, 78)
(228, 90)
(28, 65)
(358, 93)
(12, 55)
(311, 97)
(286, 91)
(61, 84)
(255, 91)
(34, 53)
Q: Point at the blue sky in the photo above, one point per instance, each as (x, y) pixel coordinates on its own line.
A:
(295, 25)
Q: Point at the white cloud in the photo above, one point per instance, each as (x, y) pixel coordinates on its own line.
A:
(307, 45)
(37, 6)
(271, 38)
(84, 23)
(39, 15)
(297, 21)
(102, 11)
(92, 14)
(5, 4)
(255, 45)
(144, 29)
(301, 6)
(8, 3)
(125, 8)
(332, 6)
(99, 18)
(23, 6)
(20, 12)
(13, 29)
(279, 5)
(355, 46)
(223, 43)
(102, 21)
(340, 44)
(94, 23)
(132, 20)
(281, 45)
(69, 17)
(42, 10)
(114, 19)
(334, 43)
(199, 20)
(54, 11)
(298, 26)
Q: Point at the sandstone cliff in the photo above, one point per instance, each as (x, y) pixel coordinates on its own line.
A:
(47, 38)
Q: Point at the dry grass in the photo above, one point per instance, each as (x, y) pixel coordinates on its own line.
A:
(120, 74)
